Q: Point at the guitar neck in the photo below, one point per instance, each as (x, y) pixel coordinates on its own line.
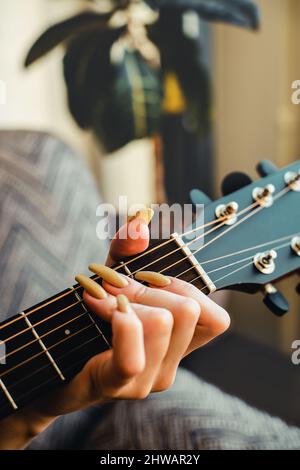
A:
(48, 344)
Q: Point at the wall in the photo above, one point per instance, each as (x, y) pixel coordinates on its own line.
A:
(255, 119)
(36, 99)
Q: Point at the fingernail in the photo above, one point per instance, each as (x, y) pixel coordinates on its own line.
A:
(109, 275)
(144, 214)
(91, 286)
(152, 277)
(123, 303)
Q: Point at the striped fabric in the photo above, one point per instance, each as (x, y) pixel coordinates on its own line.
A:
(47, 219)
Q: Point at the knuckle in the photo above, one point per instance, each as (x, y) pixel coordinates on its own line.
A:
(162, 320)
(223, 322)
(131, 369)
(158, 322)
(140, 293)
(141, 393)
(191, 309)
(165, 382)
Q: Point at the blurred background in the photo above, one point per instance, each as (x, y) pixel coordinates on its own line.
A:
(252, 118)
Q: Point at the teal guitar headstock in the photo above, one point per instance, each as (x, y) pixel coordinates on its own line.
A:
(256, 237)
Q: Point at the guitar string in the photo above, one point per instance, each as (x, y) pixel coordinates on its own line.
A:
(226, 275)
(74, 334)
(48, 318)
(181, 260)
(251, 214)
(31, 358)
(188, 244)
(84, 313)
(71, 290)
(234, 263)
(14, 384)
(235, 253)
(66, 339)
(251, 248)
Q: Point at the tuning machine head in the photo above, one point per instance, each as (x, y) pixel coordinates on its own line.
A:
(275, 300)
(264, 262)
(199, 197)
(266, 168)
(295, 245)
(234, 181)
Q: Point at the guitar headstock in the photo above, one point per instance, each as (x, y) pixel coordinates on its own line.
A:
(257, 238)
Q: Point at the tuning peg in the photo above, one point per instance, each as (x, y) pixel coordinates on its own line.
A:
(266, 168)
(275, 301)
(198, 197)
(234, 181)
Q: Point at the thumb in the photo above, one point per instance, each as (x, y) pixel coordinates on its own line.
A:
(132, 238)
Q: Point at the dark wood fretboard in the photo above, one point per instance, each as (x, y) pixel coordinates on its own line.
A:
(48, 344)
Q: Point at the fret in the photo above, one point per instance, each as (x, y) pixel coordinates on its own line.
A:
(194, 263)
(24, 356)
(43, 347)
(8, 395)
(65, 323)
(173, 259)
(101, 334)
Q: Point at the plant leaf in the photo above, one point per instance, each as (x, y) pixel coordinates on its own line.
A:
(239, 12)
(88, 71)
(60, 32)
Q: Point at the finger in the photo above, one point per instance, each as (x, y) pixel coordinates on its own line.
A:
(213, 321)
(185, 313)
(132, 238)
(157, 327)
(126, 360)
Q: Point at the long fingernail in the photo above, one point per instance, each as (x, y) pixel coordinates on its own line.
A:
(144, 214)
(152, 277)
(123, 303)
(91, 286)
(109, 275)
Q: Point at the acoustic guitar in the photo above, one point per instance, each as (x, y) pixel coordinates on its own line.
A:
(249, 238)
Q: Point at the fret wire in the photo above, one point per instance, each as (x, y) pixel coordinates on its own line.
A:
(51, 379)
(42, 352)
(46, 351)
(8, 395)
(14, 384)
(44, 335)
(40, 322)
(91, 318)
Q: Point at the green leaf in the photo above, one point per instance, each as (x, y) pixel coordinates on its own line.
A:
(119, 102)
(88, 72)
(60, 32)
(239, 12)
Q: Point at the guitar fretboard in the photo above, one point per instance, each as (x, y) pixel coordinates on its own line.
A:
(48, 344)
